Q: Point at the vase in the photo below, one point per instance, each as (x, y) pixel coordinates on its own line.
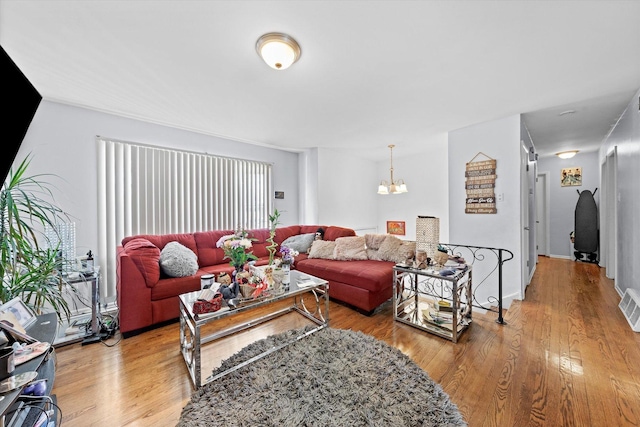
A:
(277, 286)
(235, 279)
(286, 278)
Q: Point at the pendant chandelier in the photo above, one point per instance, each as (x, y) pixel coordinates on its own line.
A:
(393, 187)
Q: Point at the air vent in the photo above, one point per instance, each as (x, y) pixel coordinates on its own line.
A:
(630, 306)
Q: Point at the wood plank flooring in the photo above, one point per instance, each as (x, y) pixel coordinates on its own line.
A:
(566, 357)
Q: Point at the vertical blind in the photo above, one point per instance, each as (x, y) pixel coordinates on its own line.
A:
(151, 190)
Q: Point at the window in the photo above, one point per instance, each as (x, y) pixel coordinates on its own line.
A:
(151, 190)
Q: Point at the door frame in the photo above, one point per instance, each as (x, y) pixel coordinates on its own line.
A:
(609, 215)
(543, 200)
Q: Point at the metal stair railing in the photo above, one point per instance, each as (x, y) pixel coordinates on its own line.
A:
(476, 254)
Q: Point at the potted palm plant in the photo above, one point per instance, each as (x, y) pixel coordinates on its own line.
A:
(29, 269)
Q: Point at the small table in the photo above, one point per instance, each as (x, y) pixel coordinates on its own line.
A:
(76, 279)
(310, 298)
(415, 290)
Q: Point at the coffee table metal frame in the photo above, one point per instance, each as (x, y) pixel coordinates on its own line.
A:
(310, 299)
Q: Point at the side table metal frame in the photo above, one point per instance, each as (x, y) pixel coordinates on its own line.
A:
(411, 284)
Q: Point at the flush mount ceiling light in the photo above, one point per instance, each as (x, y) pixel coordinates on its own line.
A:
(567, 154)
(278, 50)
(393, 187)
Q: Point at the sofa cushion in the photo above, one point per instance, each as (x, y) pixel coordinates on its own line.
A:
(146, 256)
(371, 275)
(160, 240)
(333, 232)
(259, 241)
(176, 260)
(301, 242)
(283, 233)
(306, 229)
(322, 249)
(208, 252)
(173, 286)
(350, 248)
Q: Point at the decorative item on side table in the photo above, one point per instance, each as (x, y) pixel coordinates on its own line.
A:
(422, 261)
(236, 248)
(208, 301)
(427, 234)
(288, 257)
(441, 256)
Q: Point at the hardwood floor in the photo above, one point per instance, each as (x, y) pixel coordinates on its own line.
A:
(566, 357)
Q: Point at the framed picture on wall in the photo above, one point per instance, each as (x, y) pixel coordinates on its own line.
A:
(396, 227)
(571, 177)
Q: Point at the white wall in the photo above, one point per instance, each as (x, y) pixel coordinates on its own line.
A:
(498, 139)
(61, 140)
(426, 176)
(345, 195)
(562, 200)
(626, 137)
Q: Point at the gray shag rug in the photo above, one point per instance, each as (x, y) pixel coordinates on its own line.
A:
(333, 377)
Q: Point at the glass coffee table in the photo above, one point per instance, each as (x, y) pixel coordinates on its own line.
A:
(309, 297)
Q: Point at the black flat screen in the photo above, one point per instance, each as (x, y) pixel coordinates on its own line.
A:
(20, 100)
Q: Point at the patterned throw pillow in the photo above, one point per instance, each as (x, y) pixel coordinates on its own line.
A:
(177, 260)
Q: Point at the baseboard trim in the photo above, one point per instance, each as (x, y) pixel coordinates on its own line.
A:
(560, 256)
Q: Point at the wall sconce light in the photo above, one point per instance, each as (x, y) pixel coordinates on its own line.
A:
(567, 154)
(393, 187)
(278, 50)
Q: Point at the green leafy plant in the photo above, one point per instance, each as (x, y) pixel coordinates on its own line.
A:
(28, 270)
(274, 221)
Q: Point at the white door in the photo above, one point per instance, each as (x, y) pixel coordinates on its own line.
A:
(608, 212)
(524, 217)
(542, 214)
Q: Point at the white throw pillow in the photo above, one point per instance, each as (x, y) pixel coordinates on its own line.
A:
(176, 260)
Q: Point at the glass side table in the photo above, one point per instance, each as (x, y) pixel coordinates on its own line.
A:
(428, 301)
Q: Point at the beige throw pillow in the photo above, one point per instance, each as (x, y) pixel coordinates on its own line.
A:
(373, 241)
(389, 248)
(406, 252)
(350, 248)
(322, 249)
(394, 249)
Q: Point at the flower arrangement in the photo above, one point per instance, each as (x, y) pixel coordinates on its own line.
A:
(236, 248)
(288, 255)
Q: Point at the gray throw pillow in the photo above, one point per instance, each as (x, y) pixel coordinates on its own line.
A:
(177, 260)
(300, 242)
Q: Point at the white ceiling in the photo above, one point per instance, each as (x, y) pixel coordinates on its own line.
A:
(372, 73)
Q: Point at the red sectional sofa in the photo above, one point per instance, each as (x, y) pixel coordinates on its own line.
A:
(147, 298)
